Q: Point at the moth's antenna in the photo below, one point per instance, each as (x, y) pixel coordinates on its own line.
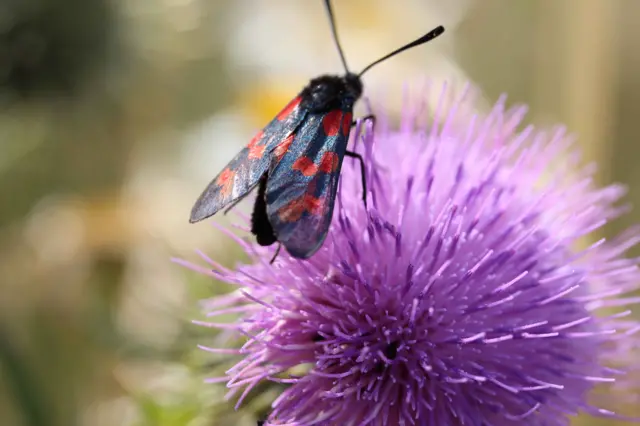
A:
(332, 21)
(422, 40)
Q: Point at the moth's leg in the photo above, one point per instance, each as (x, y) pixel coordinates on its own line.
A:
(273, 259)
(362, 174)
(372, 118)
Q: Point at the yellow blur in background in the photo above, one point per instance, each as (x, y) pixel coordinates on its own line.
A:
(114, 115)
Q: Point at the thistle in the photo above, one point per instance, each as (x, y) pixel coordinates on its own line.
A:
(460, 297)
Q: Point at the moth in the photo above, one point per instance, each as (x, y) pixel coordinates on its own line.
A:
(295, 161)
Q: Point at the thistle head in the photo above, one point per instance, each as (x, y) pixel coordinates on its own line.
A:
(460, 296)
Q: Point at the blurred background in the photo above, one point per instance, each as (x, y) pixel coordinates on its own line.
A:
(114, 115)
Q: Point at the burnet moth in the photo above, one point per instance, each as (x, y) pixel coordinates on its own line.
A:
(295, 161)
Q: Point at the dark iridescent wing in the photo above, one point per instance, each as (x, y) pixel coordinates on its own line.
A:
(302, 186)
(243, 172)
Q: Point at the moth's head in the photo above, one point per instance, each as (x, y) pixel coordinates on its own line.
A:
(353, 86)
(329, 92)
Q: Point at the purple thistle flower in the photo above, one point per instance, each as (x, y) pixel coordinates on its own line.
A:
(460, 297)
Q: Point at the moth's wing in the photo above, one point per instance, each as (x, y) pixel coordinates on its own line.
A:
(302, 186)
(242, 174)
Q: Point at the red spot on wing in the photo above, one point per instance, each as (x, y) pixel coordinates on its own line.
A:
(256, 139)
(289, 108)
(225, 181)
(307, 202)
(256, 149)
(346, 123)
(312, 204)
(282, 148)
(332, 122)
(293, 211)
(306, 166)
(256, 152)
(329, 162)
